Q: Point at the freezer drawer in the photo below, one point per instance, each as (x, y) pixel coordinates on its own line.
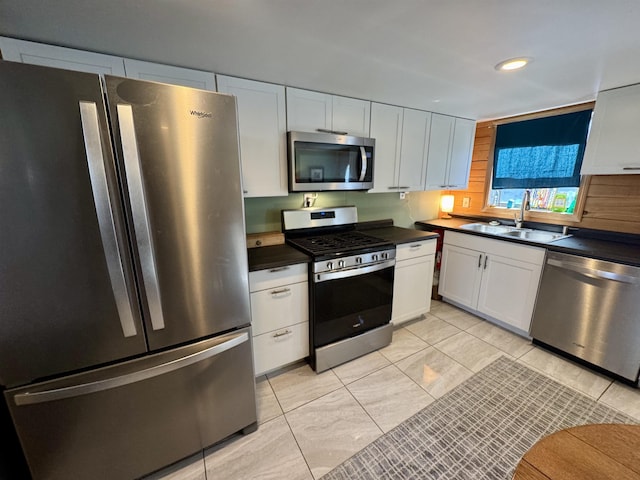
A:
(130, 419)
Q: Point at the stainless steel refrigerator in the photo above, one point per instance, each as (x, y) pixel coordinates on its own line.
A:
(124, 303)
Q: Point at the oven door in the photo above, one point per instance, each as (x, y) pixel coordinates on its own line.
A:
(349, 302)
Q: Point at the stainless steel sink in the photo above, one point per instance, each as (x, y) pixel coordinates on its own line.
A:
(486, 228)
(540, 236)
(535, 235)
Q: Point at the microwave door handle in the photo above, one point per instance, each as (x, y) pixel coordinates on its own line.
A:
(363, 170)
(106, 223)
(140, 216)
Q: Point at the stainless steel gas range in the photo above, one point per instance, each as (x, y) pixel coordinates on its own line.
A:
(350, 283)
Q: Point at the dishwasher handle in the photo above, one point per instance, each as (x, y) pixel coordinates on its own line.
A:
(593, 272)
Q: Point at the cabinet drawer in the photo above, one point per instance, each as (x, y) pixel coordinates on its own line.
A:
(276, 349)
(415, 249)
(278, 307)
(273, 277)
(490, 246)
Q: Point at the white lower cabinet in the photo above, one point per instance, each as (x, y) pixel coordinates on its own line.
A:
(494, 278)
(413, 279)
(280, 316)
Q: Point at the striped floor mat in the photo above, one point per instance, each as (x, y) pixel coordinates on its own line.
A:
(479, 430)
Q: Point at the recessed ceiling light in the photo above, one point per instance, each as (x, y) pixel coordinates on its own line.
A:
(512, 64)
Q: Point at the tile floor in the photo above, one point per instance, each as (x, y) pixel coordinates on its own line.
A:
(310, 423)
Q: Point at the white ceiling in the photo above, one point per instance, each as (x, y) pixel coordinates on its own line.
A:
(437, 55)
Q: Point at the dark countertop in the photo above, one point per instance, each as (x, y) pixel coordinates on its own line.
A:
(399, 235)
(621, 248)
(274, 256)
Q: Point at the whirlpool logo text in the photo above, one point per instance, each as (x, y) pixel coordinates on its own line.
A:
(197, 113)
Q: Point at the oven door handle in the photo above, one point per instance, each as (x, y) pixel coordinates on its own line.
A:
(363, 170)
(352, 272)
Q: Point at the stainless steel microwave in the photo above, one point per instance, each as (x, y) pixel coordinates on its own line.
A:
(327, 161)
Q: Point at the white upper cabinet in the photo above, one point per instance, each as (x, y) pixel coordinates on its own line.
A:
(464, 133)
(613, 146)
(309, 111)
(402, 143)
(414, 149)
(60, 57)
(386, 128)
(262, 127)
(351, 115)
(450, 149)
(156, 72)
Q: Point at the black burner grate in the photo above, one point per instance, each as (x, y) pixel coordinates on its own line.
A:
(337, 242)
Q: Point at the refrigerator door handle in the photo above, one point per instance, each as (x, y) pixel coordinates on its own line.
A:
(129, 378)
(106, 224)
(140, 216)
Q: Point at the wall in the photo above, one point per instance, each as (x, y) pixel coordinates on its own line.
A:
(263, 214)
(612, 202)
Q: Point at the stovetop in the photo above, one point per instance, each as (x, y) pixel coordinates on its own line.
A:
(338, 243)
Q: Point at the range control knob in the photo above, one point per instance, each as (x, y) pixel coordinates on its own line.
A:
(358, 260)
(340, 263)
(385, 255)
(330, 265)
(374, 257)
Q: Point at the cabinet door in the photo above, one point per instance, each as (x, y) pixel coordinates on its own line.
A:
(415, 145)
(613, 146)
(351, 115)
(412, 288)
(439, 151)
(278, 307)
(508, 290)
(279, 348)
(386, 128)
(169, 74)
(308, 111)
(464, 132)
(262, 129)
(60, 57)
(460, 275)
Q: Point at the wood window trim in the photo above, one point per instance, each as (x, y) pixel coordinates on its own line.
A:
(532, 216)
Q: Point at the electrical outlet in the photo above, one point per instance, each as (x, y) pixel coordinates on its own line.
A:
(465, 202)
(403, 195)
(309, 199)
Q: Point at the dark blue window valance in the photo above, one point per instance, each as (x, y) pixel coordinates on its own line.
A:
(541, 153)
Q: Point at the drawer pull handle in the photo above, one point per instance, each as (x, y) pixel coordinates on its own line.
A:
(281, 291)
(416, 245)
(282, 334)
(630, 168)
(279, 269)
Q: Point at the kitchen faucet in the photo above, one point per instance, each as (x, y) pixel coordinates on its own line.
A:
(523, 206)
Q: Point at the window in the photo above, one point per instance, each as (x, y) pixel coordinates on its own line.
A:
(542, 155)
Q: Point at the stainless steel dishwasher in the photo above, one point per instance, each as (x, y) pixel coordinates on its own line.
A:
(590, 309)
